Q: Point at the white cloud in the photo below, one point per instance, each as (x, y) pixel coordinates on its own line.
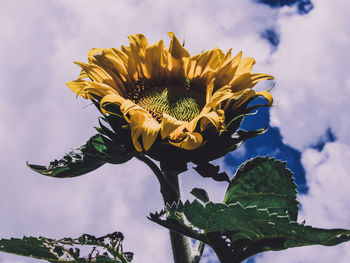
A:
(311, 66)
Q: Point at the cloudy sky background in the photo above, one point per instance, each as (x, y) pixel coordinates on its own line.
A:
(304, 44)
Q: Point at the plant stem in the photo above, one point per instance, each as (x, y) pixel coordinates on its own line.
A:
(166, 189)
(170, 190)
(198, 252)
(180, 244)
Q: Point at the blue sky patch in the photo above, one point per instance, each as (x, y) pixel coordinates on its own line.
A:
(327, 137)
(272, 37)
(304, 6)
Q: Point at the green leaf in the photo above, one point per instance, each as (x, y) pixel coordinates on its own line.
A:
(80, 161)
(237, 232)
(96, 152)
(201, 194)
(107, 248)
(254, 224)
(266, 183)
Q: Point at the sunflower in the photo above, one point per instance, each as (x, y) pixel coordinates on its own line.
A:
(167, 94)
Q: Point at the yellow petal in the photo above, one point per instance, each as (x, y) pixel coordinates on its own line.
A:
(154, 60)
(266, 95)
(169, 125)
(86, 88)
(220, 95)
(248, 80)
(107, 65)
(139, 41)
(131, 64)
(228, 55)
(209, 92)
(206, 79)
(243, 97)
(191, 67)
(202, 62)
(245, 66)
(177, 59)
(136, 132)
(112, 98)
(96, 73)
(143, 124)
(94, 51)
(118, 65)
(83, 75)
(138, 45)
(77, 86)
(129, 106)
(190, 142)
(176, 49)
(216, 118)
(151, 130)
(213, 60)
(227, 71)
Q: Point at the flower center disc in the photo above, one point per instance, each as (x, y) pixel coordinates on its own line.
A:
(179, 102)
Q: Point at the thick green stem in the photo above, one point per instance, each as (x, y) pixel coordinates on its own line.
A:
(180, 244)
(198, 252)
(170, 190)
(166, 188)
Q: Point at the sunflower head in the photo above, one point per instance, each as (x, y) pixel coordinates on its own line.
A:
(171, 104)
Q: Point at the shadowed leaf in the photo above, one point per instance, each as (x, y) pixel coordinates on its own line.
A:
(211, 171)
(107, 248)
(96, 152)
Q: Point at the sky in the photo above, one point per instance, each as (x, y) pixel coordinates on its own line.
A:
(304, 44)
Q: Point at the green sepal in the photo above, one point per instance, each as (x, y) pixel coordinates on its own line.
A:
(200, 194)
(266, 183)
(236, 122)
(107, 248)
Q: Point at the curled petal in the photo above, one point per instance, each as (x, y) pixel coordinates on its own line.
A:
(169, 125)
(242, 97)
(128, 106)
(112, 98)
(216, 118)
(267, 95)
(248, 81)
(220, 95)
(87, 89)
(142, 124)
(191, 141)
